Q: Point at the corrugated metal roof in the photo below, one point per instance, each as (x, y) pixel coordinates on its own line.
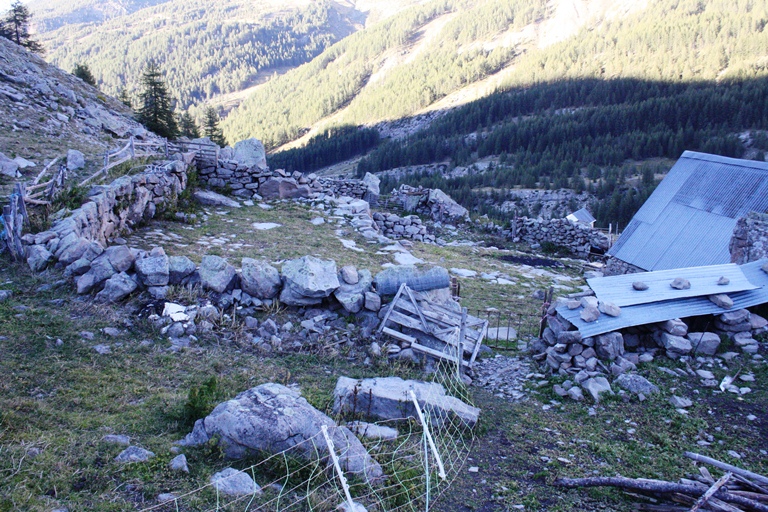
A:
(679, 308)
(582, 215)
(618, 289)
(688, 221)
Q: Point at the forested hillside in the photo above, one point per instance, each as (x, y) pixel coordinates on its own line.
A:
(363, 71)
(583, 112)
(204, 50)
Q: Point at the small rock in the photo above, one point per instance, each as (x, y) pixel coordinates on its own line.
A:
(112, 332)
(639, 286)
(722, 300)
(609, 309)
(589, 314)
(166, 497)
(232, 482)
(134, 454)
(576, 394)
(680, 284)
(705, 374)
(679, 402)
(597, 386)
(723, 281)
(117, 439)
(102, 349)
(179, 463)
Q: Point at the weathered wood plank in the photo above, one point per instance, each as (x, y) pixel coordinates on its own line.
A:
(398, 335)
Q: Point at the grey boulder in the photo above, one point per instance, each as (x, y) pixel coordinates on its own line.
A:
(231, 482)
(179, 269)
(259, 279)
(216, 274)
(154, 269)
(596, 386)
(704, 343)
(75, 160)
(210, 198)
(250, 153)
(272, 418)
(116, 288)
(134, 454)
(609, 346)
(388, 398)
(38, 257)
(636, 384)
(308, 280)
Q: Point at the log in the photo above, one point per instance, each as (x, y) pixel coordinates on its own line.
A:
(656, 486)
(711, 492)
(727, 467)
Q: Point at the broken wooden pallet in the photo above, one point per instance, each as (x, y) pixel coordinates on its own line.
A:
(453, 335)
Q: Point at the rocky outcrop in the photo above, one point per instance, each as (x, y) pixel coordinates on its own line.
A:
(272, 418)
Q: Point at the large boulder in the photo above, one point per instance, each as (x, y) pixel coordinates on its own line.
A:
(154, 269)
(272, 418)
(283, 188)
(179, 269)
(75, 160)
(372, 190)
(444, 208)
(675, 345)
(250, 153)
(216, 274)
(352, 296)
(38, 257)
(211, 198)
(101, 269)
(388, 398)
(259, 279)
(116, 288)
(9, 167)
(308, 280)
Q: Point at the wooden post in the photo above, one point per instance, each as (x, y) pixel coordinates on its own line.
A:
(166, 148)
(133, 150)
(106, 159)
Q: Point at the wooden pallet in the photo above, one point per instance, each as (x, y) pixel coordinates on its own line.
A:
(457, 332)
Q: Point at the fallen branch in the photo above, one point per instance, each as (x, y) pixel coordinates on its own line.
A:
(711, 492)
(727, 467)
(656, 486)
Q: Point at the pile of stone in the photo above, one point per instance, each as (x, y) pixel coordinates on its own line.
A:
(76, 241)
(576, 238)
(394, 226)
(432, 203)
(750, 238)
(564, 351)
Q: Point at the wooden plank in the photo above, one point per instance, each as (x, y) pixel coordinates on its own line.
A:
(478, 343)
(463, 329)
(398, 335)
(418, 310)
(436, 353)
(42, 173)
(391, 308)
(405, 321)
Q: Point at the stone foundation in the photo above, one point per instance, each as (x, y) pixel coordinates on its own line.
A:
(750, 239)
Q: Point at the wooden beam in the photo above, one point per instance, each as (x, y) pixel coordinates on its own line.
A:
(391, 308)
(400, 336)
(727, 467)
(711, 492)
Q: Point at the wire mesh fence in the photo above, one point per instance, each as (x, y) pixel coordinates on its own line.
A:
(515, 321)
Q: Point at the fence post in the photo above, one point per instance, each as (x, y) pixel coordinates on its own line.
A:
(339, 472)
(133, 150)
(425, 426)
(166, 148)
(106, 159)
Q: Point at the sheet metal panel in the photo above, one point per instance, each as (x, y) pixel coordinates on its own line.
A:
(689, 219)
(679, 308)
(618, 289)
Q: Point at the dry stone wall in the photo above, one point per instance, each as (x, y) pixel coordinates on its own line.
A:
(616, 267)
(393, 226)
(260, 182)
(578, 239)
(750, 238)
(110, 211)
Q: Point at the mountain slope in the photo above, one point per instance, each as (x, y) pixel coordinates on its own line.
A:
(488, 45)
(47, 111)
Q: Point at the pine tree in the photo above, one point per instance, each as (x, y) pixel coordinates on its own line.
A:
(211, 127)
(187, 126)
(155, 109)
(125, 98)
(15, 27)
(83, 72)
